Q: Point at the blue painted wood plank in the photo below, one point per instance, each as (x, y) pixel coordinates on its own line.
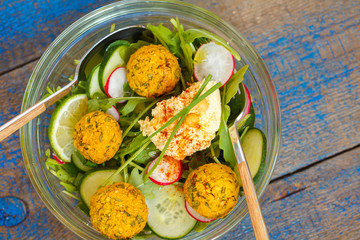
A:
(312, 52)
(322, 202)
(28, 27)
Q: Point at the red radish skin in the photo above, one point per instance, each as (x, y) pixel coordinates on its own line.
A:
(247, 110)
(195, 215)
(216, 60)
(167, 172)
(58, 159)
(115, 83)
(114, 112)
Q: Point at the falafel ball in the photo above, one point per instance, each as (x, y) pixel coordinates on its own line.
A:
(97, 136)
(212, 190)
(118, 211)
(152, 71)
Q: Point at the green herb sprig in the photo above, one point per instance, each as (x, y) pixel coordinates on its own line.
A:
(203, 85)
(182, 113)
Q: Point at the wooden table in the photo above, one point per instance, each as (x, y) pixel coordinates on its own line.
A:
(312, 49)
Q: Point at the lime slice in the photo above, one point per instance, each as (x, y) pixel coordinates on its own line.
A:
(62, 125)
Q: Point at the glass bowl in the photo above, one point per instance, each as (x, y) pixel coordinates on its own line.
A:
(57, 64)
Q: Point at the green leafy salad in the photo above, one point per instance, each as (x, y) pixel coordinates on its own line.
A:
(136, 118)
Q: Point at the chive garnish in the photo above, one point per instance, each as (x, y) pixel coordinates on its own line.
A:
(127, 162)
(187, 109)
(181, 113)
(139, 116)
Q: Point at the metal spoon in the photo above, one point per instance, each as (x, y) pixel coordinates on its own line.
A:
(17, 122)
(252, 201)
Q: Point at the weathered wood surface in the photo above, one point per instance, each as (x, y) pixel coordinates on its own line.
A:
(28, 27)
(320, 202)
(312, 51)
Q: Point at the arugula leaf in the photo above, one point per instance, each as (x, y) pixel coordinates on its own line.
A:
(185, 46)
(149, 153)
(131, 105)
(191, 34)
(224, 135)
(135, 46)
(233, 84)
(166, 38)
(105, 104)
(140, 114)
(133, 145)
(146, 187)
(66, 173)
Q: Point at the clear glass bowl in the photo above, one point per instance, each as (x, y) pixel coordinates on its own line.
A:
(57, 64)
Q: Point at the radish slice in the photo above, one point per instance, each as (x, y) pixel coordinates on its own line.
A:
(248, 100)
(213, 59)
(115, 84)
(195, 215)
(58, 159)
(167, 172)
(114, 112)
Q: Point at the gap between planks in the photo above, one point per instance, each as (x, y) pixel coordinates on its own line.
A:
(16, 67)
(289, 190)
(279, 178)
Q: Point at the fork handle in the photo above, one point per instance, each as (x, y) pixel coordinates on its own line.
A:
(252, 202)
(20, 120)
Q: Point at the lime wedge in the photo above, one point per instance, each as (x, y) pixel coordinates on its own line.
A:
(62, 125)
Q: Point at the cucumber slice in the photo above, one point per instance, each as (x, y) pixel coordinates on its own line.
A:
(254, 146)
(93, 180)
(93, 89)
(116, 55)
(79, 161)
(168, 217)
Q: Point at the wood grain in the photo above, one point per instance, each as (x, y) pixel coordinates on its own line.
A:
(28, 27)
(40, 223)
(321, 202)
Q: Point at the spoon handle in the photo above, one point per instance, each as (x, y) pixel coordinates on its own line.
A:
(252, 201)
(20, 120)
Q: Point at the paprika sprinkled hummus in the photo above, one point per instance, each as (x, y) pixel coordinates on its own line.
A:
(197, 130)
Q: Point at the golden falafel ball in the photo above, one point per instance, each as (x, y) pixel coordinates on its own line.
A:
(212, 190)
(97, 136)
(152, 71)
(118, 211)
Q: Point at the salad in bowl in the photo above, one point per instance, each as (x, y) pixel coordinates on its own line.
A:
(142, 143)
(141, 147)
